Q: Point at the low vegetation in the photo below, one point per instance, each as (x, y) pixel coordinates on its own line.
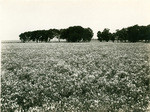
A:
(78, 77)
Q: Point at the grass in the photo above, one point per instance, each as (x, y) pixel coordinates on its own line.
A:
(94, 77)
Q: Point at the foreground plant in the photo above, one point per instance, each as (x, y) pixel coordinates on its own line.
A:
(75, 77)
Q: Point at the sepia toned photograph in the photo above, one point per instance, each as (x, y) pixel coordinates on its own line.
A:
(75, 55)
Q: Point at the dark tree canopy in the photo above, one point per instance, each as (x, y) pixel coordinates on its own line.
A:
(121, 35)
(104, 36)
(76, 34)
(134, 33)
(87, 34)
(71, 34)
(99, 33)
(39, 35)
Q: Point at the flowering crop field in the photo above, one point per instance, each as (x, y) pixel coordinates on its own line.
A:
(75, 77)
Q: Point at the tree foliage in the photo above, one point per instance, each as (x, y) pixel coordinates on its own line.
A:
(71, 34)
(77, 34)
(134, 33)
(105, 35)
(39, 35)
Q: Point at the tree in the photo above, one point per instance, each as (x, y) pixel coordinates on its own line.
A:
(49, 34)
(56, 33)
(22, 37)
(122, 35)
(36, 36)
(106, 34)
(147, 35)
(71, 34)
(99, 34)
(133, 33)
(87, 35)
(76, 34)
(112, 37)
(142, 33)
(63, 33)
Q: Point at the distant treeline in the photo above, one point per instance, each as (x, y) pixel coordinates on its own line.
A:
(71, 34)
(130, 34)
(134, 33)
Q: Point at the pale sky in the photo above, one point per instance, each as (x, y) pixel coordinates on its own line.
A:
(17, 16)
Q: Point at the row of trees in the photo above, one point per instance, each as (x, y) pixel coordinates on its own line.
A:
(71, 34)
(77, 33)
(130, 34)
(39, 35)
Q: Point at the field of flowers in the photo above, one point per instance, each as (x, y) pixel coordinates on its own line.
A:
(75, 77)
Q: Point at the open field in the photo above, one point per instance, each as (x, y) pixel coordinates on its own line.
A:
(58, 77)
